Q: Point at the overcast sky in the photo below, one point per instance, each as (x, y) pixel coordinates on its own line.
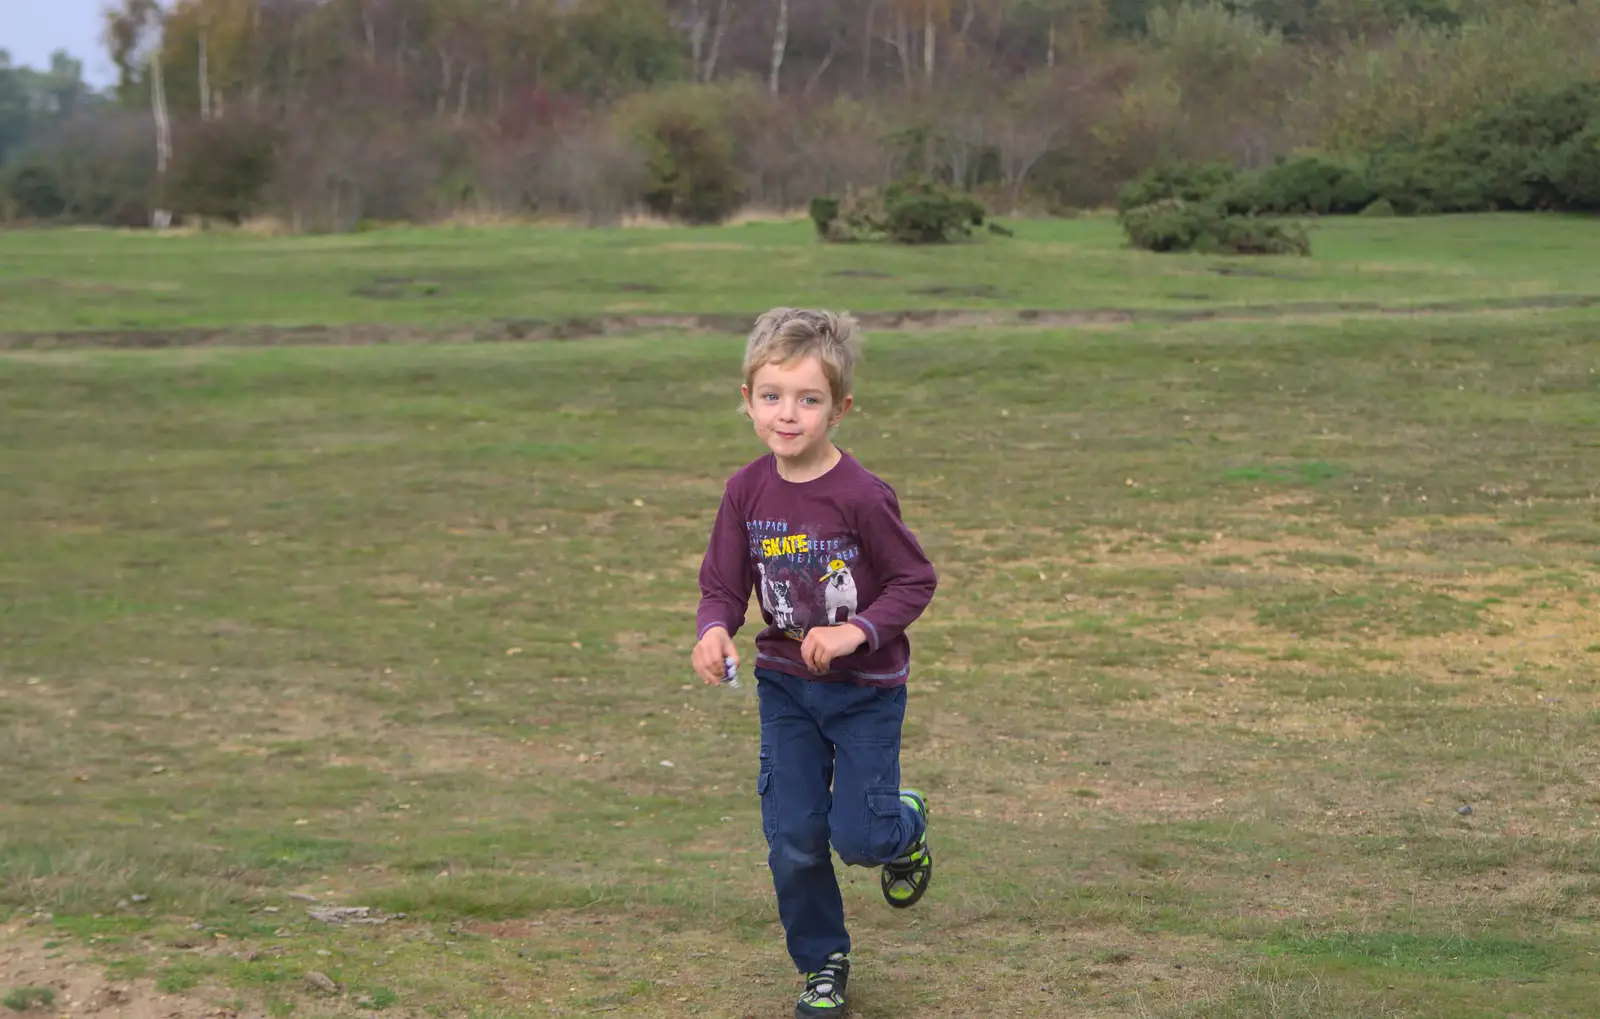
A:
(32, 29)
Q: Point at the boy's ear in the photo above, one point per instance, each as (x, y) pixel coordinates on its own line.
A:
(844, 408)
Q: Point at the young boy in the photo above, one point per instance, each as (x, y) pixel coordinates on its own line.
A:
(840, 578)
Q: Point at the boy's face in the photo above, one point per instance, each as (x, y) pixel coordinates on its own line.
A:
(792, 408)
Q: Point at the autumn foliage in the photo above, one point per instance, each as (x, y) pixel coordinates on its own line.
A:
(328, 114)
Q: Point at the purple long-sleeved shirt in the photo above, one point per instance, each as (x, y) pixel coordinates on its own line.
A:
(820, 552)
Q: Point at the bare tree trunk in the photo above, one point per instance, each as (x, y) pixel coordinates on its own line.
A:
(257, 62)
(400, 49)
(902, 45)
(928, 41)
(372, 35)
(160, 218)
(1023, 136)
(205, 81)
(448, 73)
(1050, 54)
(697, 34)
(822, 68)
(716, 39)
(780, 41)
(158, 102)
(866, 43)
(461, 103)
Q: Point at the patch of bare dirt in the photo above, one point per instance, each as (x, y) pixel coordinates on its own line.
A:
(585, 327)
(81, 987)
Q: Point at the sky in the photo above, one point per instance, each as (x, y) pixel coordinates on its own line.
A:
(32, 29)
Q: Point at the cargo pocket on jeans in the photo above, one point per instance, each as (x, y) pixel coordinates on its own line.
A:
(885, 815)
(769, 811)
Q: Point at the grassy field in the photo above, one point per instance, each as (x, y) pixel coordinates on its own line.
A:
(1263, 679)
(449, 281)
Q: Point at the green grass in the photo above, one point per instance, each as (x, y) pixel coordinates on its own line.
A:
(20, 999)
(453, 281)
(1233, 618)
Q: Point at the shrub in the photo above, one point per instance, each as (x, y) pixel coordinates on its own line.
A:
(824, 214)
(1404, 178)
(921, 211)
(335, 174)
(691, 172)
(1173, 224)
(1426, 77)
(1380, 209)
(221, 168)
(1489, 160)
(1168, 224)
(1505, 158)
(96, 168)
(1182, 181)
(1573, 170)
(1311, 184)
(32, 191)
(1247, 235)
(912, 210)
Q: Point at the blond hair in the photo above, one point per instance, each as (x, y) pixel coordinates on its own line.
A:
(787, 335)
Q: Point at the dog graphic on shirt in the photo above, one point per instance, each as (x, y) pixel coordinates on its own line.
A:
(839, 596)
(775, 599)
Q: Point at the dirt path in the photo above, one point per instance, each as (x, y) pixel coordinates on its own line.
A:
(584, 327)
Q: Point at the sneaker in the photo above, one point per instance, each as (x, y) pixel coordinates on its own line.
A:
(906, 877)
(824, 993)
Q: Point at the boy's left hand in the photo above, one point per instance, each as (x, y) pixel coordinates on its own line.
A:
(825, 643)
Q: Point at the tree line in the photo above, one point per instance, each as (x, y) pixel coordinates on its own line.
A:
(327, 114)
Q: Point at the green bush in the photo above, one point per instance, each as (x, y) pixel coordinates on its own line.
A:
(691, 173)
(1505, 158)
(1573, 170)
(96, 169)
(1173, 224)
(922, 211)
(1380, 209)
(912, 210)
(1495, 156)
(1182, 181)
(1405, 179)
(824, 214)
(221, 167)
(33, 192)
(1311, 184)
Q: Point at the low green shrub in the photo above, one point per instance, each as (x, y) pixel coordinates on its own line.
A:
(1176, 225)
(1177, 179)
(912, 210)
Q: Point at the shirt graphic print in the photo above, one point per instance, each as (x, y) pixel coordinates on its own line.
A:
(803, 577)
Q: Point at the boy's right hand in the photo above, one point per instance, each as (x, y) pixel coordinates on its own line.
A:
(710, 653)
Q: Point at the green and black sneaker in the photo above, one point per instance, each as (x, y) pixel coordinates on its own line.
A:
(824, 993)
(906, 877)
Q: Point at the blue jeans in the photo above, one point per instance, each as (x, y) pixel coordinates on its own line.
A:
(830, 772)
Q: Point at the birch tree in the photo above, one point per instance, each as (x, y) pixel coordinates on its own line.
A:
(780, 42)
(133, 32)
